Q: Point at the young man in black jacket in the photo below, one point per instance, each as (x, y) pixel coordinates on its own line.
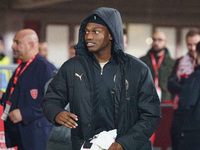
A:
(106, 88)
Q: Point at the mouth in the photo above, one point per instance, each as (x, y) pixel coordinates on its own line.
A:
(90, 44)
(15, 52)
(156, 47)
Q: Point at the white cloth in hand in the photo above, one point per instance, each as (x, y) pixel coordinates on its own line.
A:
(101, 141)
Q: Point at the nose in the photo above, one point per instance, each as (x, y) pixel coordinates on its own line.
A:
(89, 36)
(13, 46)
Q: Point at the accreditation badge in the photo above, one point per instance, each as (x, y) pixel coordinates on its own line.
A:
(159, 92)
(6, 111)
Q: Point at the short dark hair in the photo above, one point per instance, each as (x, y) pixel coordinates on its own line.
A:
(193, 32)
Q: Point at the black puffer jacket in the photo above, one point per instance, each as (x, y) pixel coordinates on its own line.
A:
(189, 103)
(126, 84)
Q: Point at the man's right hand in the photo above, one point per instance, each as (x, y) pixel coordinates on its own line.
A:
(66, 119)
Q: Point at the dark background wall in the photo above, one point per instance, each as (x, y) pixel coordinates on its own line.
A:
(36, 14)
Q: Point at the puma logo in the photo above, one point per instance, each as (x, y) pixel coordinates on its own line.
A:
(80, 76)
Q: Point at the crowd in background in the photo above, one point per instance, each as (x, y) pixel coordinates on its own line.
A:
(176, 81)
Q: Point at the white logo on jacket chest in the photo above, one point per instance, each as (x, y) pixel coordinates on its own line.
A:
(79, 76)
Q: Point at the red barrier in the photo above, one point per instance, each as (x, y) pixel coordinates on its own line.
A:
(161, 138)
(2, 136)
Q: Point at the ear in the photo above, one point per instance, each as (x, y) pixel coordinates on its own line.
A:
(32, 45)
(110, 37)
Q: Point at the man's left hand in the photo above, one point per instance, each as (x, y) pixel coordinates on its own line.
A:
(15, 116)
(115, 146)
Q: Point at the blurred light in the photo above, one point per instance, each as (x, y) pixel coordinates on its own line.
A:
(149, 40)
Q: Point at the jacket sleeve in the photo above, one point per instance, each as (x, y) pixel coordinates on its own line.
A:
(55, 99)
(174, 85)
(189, 95)
(149, 115)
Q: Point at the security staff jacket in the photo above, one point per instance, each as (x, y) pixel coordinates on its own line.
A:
(34, 129)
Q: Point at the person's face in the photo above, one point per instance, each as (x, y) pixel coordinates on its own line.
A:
(43, 50)
(1, 46)
(191, 44)
(97, 38)
(20, 46)
(159, 41)
(125, 41)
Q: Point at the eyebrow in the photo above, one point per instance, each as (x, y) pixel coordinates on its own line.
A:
(16, 40)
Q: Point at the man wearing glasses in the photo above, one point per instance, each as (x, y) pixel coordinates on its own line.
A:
(160, 63)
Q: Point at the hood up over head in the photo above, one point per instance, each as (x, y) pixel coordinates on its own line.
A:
(112, 19)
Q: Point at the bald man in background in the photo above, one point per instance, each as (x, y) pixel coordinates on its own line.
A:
(25, 124)
(160, 63)
(43, 49)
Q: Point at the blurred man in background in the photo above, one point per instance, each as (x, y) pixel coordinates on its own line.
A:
(189, 106)
(182, 69)
(160, 63)
(43, 49)
(4, 60)
(125, 36)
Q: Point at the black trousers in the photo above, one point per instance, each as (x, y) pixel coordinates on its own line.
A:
(175, 131)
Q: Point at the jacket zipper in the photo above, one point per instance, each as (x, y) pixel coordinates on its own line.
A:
(101, 71)
(103, 67)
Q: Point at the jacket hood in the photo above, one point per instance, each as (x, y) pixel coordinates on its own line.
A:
(113, 21)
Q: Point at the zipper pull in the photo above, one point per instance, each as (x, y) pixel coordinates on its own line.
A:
(101, 71)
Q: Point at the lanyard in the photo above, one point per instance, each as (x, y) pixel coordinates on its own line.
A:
(19, 72)
(156, 66)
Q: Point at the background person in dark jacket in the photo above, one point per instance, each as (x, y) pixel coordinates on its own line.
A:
(182, 69)
(189, 105)
(160, 63)
(25, 125)
(106, 88)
